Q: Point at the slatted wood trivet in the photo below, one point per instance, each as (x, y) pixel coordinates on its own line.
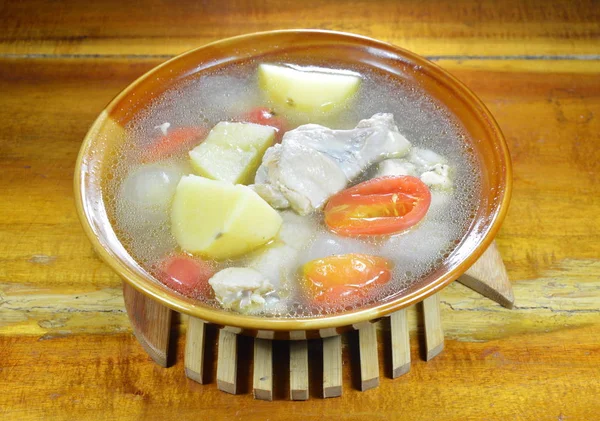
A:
(151, 323)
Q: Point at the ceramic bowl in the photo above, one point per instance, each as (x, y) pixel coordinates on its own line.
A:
(98, 151)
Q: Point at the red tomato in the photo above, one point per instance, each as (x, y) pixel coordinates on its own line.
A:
(384, 205)
(266, 117)
(176, 140)
(345, 278)
(186, 275)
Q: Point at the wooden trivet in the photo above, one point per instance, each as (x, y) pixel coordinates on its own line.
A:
(151, 324)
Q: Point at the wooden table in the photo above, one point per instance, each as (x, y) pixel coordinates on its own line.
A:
(66, 349)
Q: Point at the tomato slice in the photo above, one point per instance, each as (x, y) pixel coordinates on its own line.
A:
(186, 275)
(181, 139)
(266, 117)
(384, 205)
(345, 278)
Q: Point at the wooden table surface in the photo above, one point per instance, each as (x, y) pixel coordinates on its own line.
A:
(66, 348)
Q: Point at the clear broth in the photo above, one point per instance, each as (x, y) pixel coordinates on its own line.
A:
(230, 91)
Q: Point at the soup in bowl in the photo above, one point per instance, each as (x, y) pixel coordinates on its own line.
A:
(293, 181)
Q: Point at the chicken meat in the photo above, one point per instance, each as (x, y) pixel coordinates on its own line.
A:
(313, 162)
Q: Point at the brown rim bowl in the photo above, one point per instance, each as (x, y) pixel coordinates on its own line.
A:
(107, 131)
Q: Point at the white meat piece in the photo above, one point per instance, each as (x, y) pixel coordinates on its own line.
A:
(261, 185)
(304, 176)
(433, 168)
(268, 159)
(396, 167)
(241, 289)
(271, 195)
(314, 162)
(438, 177)
(425, 159)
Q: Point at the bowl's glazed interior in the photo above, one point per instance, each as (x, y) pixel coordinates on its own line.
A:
(482, 132)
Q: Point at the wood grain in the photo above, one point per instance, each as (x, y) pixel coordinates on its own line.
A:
(434, 332)
(531, 377)
(299, 385)
(332, 367)
(66, 347)
(227, 362)
(488, 277)
(263, 370)
(548, 115)
(150, 322)
(194, 349)
(400, 343)
(369, 363)
(437, 27)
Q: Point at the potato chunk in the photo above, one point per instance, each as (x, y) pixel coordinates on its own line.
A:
(220, 220)
(232, 151)
(312, 91)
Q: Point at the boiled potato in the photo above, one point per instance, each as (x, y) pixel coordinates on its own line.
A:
(307, 91)
(220, 220)
(232, 151)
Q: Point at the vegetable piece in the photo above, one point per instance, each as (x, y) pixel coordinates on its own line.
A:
(241, 289)
(186, 275)
(182, 138)
(220, 220)
(345, 278)
(384, 205)
(266, 117)
(145, 195)
(308, 90)
(232, 151)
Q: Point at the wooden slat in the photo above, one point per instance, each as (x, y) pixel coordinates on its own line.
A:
(434, 333)
(489, 278)
(194, 350)
(263, 369)
(298, 370)
(332, 366)
(150, 322)
(227, 362)
(437, 27)
(400, 343)
(369, 363)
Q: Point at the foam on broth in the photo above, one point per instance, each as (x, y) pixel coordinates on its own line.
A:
(231, 91)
